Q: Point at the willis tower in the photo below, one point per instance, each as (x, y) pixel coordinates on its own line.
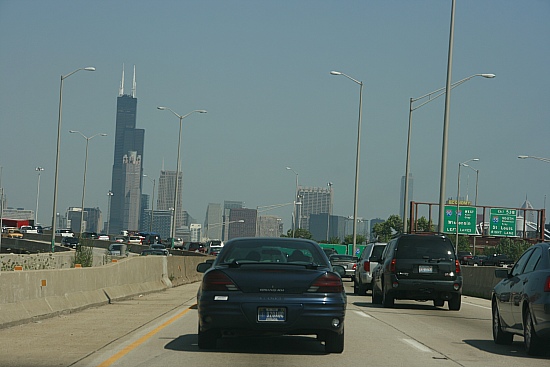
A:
(124, 212)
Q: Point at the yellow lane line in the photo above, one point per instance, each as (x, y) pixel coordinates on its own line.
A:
(141, 340)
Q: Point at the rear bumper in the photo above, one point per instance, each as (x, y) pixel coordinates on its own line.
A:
(419, 289)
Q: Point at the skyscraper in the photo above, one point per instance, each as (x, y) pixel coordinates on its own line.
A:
(213, 222)
(314, 200)
(127, 168)
(166, 189)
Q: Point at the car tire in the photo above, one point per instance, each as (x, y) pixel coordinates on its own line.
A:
(376, 296)
(361, 289)
(438, 302)
(500, 336)
(355, 288)
(533, 343)
(455, 302)
(388, 301)
(207, 339)
(334, 342)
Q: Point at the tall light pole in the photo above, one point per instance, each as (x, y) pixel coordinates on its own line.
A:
(547, 160)
(109, 195)
(294, 227)
(173, 233)
(426, 98)
(38, 169)
(85, 169)
(54, 213)
(356, 156)
(458, 198)
(152, 202)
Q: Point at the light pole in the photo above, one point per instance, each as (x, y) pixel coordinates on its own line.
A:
(356, 156)
(329, 207)
(54, 213)
(547, 160)
(475, 200)
(426, 98)
(294, 227)
(152, 202)
(109, 195)
(85, 169)
(38, 169)
(458, 197)
(173, 232)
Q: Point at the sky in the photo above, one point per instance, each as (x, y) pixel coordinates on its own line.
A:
(262, 71)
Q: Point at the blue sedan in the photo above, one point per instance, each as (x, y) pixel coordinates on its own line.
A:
(521, 301)
(271, 286)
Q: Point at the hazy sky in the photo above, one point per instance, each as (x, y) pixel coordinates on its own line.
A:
(261, 69)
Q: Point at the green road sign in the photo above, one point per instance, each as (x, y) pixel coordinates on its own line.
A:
(466, 219)
(503, 222)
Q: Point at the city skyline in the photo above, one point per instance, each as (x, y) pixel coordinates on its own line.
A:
(263, 73)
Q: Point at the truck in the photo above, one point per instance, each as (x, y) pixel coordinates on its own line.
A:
(16, 223)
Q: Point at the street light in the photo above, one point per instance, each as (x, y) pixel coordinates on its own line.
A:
(152, 202)
(109, 195)
(458, 197)
(295, 200)
(329, 206)
(85, 169)
(356, 156)
(210, 226)
(547, 160)
(173, 232)
(38, 169)
(54, 214)
(427, 99)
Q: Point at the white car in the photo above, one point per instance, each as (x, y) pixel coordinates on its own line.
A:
(363, 272)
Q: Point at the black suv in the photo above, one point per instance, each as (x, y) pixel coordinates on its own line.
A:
(418, 267)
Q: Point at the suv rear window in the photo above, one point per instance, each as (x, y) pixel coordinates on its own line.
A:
(424, 247)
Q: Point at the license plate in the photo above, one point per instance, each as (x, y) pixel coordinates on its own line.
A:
(271, 314)
(425, 269)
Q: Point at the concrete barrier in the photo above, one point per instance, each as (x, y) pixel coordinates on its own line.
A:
(30, 295)
(479, 281)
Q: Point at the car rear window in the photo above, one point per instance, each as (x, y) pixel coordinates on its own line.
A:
(274, 252)
(377, 251)
(424, 247)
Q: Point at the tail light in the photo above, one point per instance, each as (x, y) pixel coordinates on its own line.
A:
(366, 265)
(354, 266)
(327, 283)
(457, 267)
(217, 280)
(392, 266)
(547, 284)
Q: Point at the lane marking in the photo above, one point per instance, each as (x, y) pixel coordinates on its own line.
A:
(143, 339)
(360, 313)
(417, 345)
(480, 306)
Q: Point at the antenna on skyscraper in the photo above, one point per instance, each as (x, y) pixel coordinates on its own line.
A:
(134, 84)
(121, 89)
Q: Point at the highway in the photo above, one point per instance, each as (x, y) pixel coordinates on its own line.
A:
(159, 329)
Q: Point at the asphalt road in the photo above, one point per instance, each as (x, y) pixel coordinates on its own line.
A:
(159, 329)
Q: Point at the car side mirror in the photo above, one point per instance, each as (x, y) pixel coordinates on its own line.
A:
(203, 267)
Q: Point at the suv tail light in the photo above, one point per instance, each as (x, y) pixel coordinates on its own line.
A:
(366, 265)
(547, 284)
(327, 283)
(457, 267)
(217, 280)
(392, 266)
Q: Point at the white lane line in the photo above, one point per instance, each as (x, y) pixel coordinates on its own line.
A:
(473, 304)
(417, 345)
(363, 314)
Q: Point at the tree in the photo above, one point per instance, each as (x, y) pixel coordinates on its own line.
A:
(384, 231)
(358, 239)
(423, 225)
(300, 233)
(509, 247)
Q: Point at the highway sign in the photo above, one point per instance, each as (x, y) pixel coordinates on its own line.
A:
(467, 216)
(503, 222)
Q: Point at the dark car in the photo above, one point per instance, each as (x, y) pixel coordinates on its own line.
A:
(477, 260)
(464, 256)
(418, 267)
(70, 241)
(195, 247)
(347, 261)
(152, 251)
(521, 301)
(498, 260)
(271, 286)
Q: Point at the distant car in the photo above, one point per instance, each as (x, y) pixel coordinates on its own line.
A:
(104, 237)
(347, 261)
(12, 233)
(158, 252)
(477, 260)
(419, 267)
(90, 235)
(214, 250)
(157, 246)
(28, 229)
(464, 256)
(71, 242)
(269, 287)
(498, 260)
(362, 281)
(521, 301)
(178, 243)
(195, 247)
(118, 249)
(64, 233)
(134, 240)
(120, 239)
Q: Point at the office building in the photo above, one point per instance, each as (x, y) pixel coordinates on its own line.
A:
(166, 191)
(247, 228)
(213, 223)
(227, 206)
(127, 170)
(195, 231)
(162, 221)
(324, 227)
(312, 200)
(270, 226)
